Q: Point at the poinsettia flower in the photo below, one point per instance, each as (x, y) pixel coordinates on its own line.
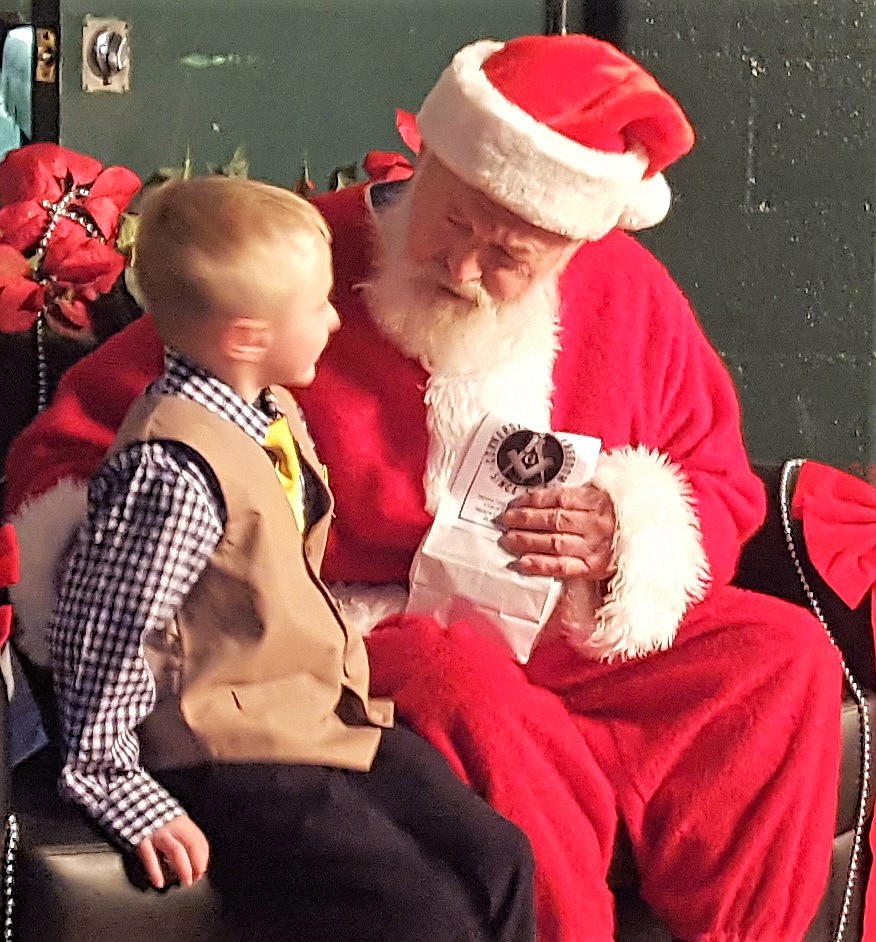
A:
(22, 224)
(38, 173)
(78, 262)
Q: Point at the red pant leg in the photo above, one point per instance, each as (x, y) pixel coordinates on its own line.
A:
(517, 745)
(724, 753)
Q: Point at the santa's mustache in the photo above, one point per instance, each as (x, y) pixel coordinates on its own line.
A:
(473, 291)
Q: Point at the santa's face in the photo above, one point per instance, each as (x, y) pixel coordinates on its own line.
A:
(465, 243)
(454, 325)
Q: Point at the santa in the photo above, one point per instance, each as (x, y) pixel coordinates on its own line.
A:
(501, 277)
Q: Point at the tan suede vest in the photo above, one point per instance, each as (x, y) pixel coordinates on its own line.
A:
(258, 665)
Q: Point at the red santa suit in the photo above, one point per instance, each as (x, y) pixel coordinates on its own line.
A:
(719, 750)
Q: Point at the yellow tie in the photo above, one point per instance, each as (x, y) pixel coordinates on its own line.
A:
(280, 445)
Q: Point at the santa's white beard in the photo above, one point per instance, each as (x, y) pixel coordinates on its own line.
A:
(482, 355)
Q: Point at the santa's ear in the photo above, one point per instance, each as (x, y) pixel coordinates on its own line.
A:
(246, 339)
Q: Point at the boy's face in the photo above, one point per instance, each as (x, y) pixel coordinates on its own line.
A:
(304, 323)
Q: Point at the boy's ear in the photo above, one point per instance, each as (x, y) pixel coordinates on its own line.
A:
(246, 339)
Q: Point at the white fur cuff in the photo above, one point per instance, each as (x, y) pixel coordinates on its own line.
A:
(44, 527)
(661, 563)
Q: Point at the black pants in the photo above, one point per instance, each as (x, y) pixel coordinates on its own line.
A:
(402, 853)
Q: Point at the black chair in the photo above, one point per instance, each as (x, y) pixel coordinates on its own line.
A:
(63, 882)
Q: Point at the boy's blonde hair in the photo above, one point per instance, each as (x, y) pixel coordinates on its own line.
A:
(217, 247)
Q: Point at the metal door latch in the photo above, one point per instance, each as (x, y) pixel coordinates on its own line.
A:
(106, 55)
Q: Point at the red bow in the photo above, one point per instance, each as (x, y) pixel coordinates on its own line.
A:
(9, 575)
(838, 512)
(384, 165)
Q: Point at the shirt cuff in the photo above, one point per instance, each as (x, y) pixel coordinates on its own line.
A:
(129, 806)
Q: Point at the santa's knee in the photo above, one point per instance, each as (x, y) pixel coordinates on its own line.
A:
(794, 651)
(452, 663)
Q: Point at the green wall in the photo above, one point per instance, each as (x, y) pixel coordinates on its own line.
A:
(284, 78)
(772, 235)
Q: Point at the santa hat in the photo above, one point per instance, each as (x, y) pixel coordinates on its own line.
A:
(565, 131)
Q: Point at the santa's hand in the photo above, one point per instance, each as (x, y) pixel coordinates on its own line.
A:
(564, 532)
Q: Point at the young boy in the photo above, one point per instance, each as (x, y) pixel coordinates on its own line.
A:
(200, 662)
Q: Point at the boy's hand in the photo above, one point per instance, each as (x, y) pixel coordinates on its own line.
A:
(179, 847)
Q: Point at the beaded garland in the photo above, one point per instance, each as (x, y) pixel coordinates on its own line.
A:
(57, 211)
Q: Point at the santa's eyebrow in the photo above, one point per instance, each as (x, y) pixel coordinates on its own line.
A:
(519, 248)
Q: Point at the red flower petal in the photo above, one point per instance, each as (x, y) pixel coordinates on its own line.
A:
(20, 296)
(87, 265)
(106, 213)
(23, 224)
(118, 184)
(71, 233)
(39, 171)
(109, 198)
(12, 263)
(20, 301)
(27, 173)
(74, 312)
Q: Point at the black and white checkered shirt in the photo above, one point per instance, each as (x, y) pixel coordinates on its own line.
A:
(155, 516)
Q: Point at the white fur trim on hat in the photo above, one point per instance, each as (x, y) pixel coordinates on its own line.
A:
(662, 566)
(546, 178)
(44, 528)
(649, 204)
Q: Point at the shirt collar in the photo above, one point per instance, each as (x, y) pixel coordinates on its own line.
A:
(186, 379)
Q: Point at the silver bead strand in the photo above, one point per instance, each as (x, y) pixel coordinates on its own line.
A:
(42, 362)
(9, 852)
(859, 697)
(57, 211)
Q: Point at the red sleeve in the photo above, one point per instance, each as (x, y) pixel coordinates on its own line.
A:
(638, 368)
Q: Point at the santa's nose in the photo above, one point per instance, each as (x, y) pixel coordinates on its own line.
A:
(464, 266)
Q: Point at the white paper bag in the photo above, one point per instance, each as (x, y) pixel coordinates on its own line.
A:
(460, 571)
